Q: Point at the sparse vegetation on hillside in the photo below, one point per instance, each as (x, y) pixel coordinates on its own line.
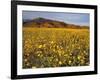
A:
(47, 23)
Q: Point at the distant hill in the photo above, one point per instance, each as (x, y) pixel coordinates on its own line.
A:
(48, 23)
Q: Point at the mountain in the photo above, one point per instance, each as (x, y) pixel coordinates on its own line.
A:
(48, 23)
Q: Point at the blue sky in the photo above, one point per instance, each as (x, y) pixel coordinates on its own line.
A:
(72, 18)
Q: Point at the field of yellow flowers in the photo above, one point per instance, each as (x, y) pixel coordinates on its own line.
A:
(55, 47)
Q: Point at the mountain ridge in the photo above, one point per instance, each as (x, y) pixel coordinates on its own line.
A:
(48, 23)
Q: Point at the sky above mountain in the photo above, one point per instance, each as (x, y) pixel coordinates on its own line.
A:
(71, 18)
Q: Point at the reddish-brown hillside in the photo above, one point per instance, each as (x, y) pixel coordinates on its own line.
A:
(47, 23)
